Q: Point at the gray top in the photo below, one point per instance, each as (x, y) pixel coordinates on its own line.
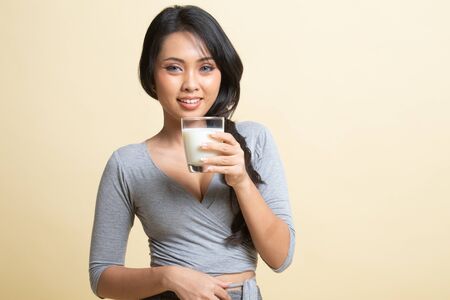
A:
(181, 230)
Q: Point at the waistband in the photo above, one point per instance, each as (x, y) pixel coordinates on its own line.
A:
(249, 290)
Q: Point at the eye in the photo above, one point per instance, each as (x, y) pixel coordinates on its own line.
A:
(206, 68)
(173, 68)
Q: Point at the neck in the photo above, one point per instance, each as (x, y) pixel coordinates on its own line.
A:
(170, 134)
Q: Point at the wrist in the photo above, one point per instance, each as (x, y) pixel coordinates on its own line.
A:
(243, 184)
(167, 277)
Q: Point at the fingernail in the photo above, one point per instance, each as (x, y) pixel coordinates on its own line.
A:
(205, 145)
(203, 159)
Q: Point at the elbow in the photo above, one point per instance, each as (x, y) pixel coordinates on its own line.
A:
(290, 255)
(95, 272)
(283, 266)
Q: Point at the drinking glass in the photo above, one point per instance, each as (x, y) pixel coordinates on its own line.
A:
(196, 131)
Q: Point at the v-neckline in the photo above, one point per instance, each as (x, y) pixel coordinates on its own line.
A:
(176, 183)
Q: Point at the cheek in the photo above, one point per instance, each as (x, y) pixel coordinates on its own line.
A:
(213, 83)
(165, 83)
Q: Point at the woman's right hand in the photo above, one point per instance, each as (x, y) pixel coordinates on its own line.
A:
(190, 284)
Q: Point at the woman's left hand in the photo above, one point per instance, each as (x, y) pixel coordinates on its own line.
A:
(230, 161)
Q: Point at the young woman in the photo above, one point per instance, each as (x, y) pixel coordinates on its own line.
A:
(205, 229)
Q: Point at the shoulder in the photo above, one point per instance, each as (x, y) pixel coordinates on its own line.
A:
(254, 132)
(257, 136)
(251, 129)
(129, 155)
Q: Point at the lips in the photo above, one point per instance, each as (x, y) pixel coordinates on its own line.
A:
(189, 103)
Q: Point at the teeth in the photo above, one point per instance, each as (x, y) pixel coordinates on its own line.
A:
(190, 101)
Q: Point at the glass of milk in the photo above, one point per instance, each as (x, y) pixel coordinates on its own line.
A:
(196, 131)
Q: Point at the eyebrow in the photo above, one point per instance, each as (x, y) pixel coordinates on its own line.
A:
(182, 61)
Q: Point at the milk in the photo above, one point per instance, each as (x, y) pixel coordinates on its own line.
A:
(193, 139)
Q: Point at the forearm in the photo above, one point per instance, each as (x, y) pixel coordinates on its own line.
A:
(269, 233)
(118, 282)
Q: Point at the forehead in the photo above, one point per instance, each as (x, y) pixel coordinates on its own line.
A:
(183, 45)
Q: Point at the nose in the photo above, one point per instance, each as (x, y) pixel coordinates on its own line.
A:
(190, 82)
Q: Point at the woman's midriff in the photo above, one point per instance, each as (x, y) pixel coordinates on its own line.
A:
(236, 278)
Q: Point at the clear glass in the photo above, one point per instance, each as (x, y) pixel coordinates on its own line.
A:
(196, 131)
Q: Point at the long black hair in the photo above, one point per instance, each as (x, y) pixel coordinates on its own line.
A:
(201, 24)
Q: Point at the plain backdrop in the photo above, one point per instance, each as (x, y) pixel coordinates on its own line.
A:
(356, 94)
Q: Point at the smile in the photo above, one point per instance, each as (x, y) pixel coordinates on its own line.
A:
(190, 101)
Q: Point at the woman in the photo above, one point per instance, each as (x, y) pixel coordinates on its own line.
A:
(204, 229)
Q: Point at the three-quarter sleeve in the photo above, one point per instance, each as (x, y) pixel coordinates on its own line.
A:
(274, 190)
(114, 217)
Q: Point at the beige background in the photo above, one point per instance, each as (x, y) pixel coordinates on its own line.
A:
(356, 93)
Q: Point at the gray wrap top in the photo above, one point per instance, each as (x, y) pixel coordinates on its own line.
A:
(180, 229)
